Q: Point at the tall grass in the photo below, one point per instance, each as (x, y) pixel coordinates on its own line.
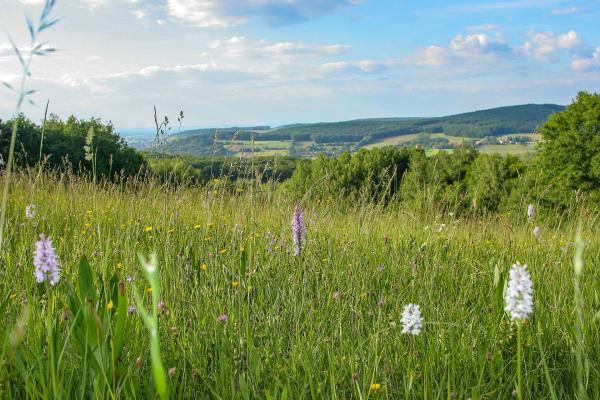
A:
(287, 335)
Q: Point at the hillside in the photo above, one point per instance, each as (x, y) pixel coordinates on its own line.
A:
(354, 134)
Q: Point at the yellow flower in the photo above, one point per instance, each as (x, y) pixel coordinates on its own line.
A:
(171, 230)
(215, 191)
(242, 248)
(235, 284)
(375, 386)
(197, 226)
(148, 229)
(223, 251)
(110, 304)
(13, 295)
(207, 238)
(209, 225)
(203, 267)
(239, 190)
(216, 180)
(149, 290)
(119, 265)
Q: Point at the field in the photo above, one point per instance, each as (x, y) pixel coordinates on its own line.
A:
(282, 147)
(241, 317)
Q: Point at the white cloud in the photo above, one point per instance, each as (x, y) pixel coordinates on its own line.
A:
(364, 66)
(242, 47)
(547, 46)
(477, 47)
(567, 10)
(588, 63)
(93, 4)
(139, 13)
(483, 28)
(224, 13)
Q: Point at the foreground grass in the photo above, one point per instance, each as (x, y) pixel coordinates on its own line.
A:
(322, 325)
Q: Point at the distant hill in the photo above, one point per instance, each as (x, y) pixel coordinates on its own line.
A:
(477, 124)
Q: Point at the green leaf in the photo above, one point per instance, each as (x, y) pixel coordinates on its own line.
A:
(121, 323)
(85, 281)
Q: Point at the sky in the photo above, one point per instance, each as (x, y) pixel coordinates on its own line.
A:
(257, 62)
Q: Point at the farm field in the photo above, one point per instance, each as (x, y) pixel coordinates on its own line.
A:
(282, 147)
(240, 316)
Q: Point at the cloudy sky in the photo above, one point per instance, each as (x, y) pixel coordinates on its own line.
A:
(246, 62)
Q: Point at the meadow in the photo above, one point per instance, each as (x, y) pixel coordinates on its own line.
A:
(240, 316)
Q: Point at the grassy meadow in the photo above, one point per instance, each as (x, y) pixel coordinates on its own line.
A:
(321, 325)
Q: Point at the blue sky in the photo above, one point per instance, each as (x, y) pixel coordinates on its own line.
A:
(226, 62)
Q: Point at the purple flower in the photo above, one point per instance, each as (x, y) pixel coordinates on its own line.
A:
(222, 318)
(335, 295)
(298, 230)
(45, 261)
(132, 310)
(531, 212)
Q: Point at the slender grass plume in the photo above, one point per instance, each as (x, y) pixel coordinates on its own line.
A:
(46, 262)
(411, 320)
(37, 49)
(519, 293)
(298, 230)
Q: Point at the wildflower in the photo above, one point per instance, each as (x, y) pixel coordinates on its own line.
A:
(30, 211)
(203, 267)
(131, 310)
(380, 303)
(110, 305)
(519, 293)
(197, 227)
(162, 307)
(531, 212)
(234, 284)
(223, 251)
(298, 230)
(148, 229)
(129, 279)
(119, 265)
(209, 224)
(536, 232)
(222, 318)
(375, 386)
(45, 261)
(239, 190)
(172, 371)
(149, 290)
(411, 319)
(381, 268)
(335, 295)
(171, 230)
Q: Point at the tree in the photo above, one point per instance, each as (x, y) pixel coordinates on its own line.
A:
(569, 155)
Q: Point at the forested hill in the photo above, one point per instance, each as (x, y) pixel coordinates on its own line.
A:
(477, 124)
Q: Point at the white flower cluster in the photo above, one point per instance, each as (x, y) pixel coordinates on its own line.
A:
(411, 319)
(519, 293)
